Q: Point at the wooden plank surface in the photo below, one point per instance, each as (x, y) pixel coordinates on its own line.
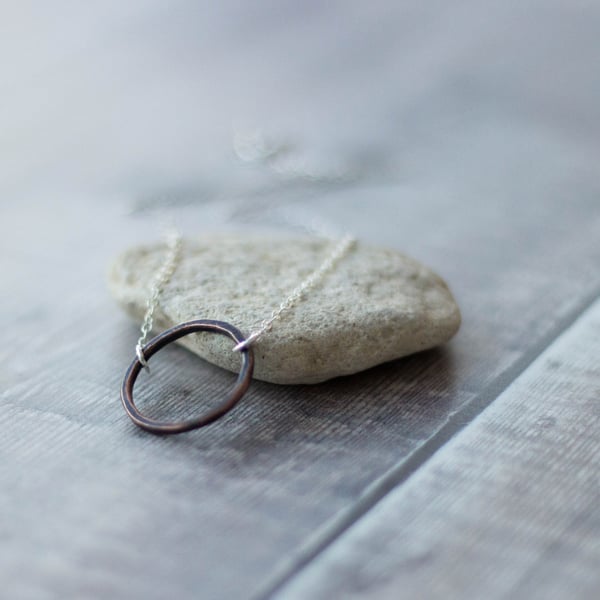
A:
(509, 508)
(490, 181)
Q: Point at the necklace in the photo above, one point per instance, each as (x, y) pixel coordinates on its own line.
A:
(243, 344)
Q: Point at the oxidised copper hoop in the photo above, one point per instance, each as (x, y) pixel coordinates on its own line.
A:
(162, 340)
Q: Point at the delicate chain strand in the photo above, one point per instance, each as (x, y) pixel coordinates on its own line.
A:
(340, 250)
(161, 279)
(172, 258)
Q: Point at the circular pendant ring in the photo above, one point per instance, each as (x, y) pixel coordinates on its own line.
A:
(162, 340)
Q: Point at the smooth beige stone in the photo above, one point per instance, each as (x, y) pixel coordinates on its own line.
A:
(375, 306)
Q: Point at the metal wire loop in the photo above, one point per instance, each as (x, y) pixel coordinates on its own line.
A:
(162, 340)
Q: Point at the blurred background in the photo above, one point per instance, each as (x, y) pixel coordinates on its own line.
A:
(142, 98)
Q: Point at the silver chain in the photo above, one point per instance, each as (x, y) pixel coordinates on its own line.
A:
(340, 249)
(161, 279)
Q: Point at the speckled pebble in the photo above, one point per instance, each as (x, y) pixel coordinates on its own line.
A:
(376, 306)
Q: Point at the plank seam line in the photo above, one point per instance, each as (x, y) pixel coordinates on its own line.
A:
(326, 535)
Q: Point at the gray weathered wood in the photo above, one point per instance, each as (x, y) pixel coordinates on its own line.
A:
(490, 181)
(510, 508)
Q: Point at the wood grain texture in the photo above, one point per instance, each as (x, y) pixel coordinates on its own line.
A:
(490, 181)
(507, 509)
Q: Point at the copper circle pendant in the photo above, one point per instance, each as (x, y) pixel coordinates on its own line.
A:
(162, 340)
